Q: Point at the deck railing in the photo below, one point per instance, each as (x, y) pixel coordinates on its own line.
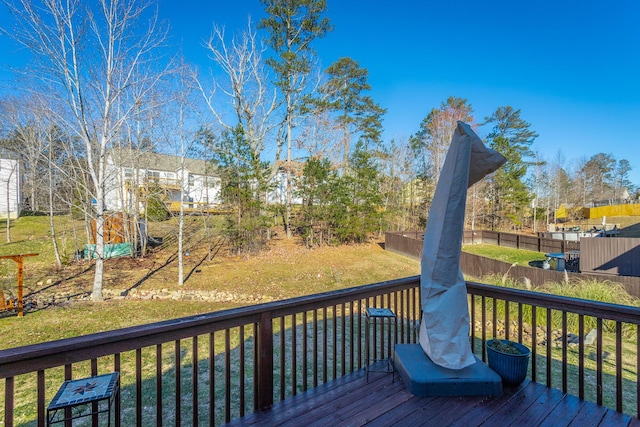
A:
(211, 368)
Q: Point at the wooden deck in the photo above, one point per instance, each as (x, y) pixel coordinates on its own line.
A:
(351, 401)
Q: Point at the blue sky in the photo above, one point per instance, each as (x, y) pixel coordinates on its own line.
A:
(571, 67)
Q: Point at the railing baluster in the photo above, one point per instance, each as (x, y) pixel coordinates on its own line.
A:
(256, 367)
(227, 375)
(8, 401)
(565, 343)
(212, 378)
(343, 341)
(403, 316)
(549, 338)
(282, 358)
(359, 333)
(507, 321)
(352, 319)
(599, 362)
(394, 307)
(139, 387)
(68, 372)
(418, 311)
(520, 327)
(325, 357)
(159, 385)
(315, 348)
(494, 302)
(178, 400)
(534, 343)
(241, 366)
(118, 400)
(483, 302)
(266, 360)
(472, 306)
(619, 366)
(638, 370)
(581, 357)
(304, 350)
(389, 326)
(41, 399)
(94, 405)
(374, 329)
(194, 380)
(334, 365)
(294, 351)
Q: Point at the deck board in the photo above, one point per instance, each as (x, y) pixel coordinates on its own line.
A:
(351, 400)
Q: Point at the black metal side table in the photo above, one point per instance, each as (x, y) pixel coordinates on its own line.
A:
(73, 395)
(378, 316)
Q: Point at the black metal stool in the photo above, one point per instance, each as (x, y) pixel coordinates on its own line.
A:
(375, 316)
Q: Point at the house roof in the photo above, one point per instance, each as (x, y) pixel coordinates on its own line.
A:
(158, 162)
(8, 154)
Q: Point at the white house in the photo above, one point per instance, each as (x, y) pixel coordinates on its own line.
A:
(10, 185)
(174, 179)
(278, 192)
(136, 173)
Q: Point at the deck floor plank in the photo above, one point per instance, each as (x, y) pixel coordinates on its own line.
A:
(565, 411)
(517, 405)
(411, 412)
(467, 410)
(351, 400)
(540, 408)
(589, 416)
(613, 418)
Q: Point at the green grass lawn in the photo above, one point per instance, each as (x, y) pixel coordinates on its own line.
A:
(502, 253)
(285, 270)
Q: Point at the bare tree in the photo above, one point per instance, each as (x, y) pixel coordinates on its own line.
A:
(243, 83)
(182, 138)
(319, 137)
(96, 58)
(26, 137)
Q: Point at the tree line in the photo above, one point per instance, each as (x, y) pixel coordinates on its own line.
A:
(101, 78)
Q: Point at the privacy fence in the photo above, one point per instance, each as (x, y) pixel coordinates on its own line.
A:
(598, 262)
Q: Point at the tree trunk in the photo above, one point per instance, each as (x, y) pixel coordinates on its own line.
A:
(56, 250)
(96, 295)
(287, 215)
(8, 209)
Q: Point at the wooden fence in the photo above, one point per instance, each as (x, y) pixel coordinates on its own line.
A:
(613, 255)
(520, 241)
(410, 244)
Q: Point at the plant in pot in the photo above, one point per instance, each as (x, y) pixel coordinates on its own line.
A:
(508, 359)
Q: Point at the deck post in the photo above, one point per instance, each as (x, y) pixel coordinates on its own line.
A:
(265, 362)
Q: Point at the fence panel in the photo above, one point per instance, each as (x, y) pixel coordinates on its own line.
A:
(612, 255)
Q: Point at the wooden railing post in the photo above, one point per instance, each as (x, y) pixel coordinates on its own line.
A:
(265, 362)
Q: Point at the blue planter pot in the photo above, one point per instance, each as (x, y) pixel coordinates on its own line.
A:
(512, 368)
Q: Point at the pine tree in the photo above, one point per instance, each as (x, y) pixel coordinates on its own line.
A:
(512, 138)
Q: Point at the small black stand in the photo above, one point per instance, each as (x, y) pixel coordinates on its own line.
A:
(376, 316)
(86, 391)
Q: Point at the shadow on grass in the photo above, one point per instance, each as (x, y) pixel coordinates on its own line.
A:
(195, 366)
(152, 271)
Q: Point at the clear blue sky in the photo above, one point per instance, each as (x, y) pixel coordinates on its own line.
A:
(571, 67)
